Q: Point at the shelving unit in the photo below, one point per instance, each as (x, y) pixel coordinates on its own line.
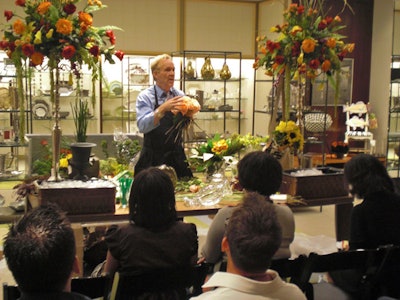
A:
(9, 120)
(220, 99)
(393, 147)
(263, 102)
(122, 82)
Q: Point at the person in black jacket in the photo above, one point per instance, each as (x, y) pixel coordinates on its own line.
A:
(376, 220)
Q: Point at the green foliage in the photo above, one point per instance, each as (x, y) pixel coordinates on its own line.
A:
(80, 113)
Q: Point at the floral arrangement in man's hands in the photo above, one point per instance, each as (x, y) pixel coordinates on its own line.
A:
(184, 116)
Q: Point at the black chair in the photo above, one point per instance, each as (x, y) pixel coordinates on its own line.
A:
(10, 292)
(369, 266)
(164, 283)
(292, 270)
(93, 287)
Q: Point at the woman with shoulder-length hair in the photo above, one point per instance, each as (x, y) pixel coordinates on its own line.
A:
(154, 238)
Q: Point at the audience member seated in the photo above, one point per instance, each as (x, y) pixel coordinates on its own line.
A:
(253, 235)
(40, 252)
(259, 172)
(154, 238)
(375, 221)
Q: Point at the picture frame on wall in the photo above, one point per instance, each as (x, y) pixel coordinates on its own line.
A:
(323, 92)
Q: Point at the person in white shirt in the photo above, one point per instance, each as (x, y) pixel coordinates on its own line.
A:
(253, 235)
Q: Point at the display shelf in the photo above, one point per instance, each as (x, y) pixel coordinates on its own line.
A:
(122, 83)
(212, 92)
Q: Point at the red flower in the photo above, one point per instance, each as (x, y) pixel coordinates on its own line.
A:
(28, 49)
(314, 64)
(3, 45)
(44, 142)
(68, 51)
(95, 50)
(8, 14)
(119, 54)
(322, 25)
(69, 8)
(20, 2)
(111, 36)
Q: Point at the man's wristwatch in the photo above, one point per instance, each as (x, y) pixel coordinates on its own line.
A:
(158, 113)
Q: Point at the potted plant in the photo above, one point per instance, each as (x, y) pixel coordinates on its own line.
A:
(81, 149)
(339, 148)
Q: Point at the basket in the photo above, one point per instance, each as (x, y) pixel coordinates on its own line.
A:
(76, 200)
(328, 185)
(315, 122)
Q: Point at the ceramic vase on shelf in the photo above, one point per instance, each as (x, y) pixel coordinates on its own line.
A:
(189, 71)
(225, 73)
(207, 70)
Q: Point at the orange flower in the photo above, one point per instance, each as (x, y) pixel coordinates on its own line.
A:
(85, 18)
(189, 107)
(331, 43)
(64, 26)
(308, 45)
(37, 58)
(43, 7)
(19, 27)
(326, 65)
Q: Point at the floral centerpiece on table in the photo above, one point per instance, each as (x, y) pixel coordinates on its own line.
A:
(308, 44)
(210, 156)
(339, 148)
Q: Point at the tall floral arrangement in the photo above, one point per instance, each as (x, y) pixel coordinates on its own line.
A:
(56, 29)
(308, 45)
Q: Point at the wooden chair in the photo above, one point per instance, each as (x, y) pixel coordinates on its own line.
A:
(371, 265)
(177, 283)
(93, 287)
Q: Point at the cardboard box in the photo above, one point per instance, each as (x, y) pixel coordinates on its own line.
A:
(81, 198)
(328, 185)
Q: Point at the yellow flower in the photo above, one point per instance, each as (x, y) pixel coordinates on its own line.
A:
(64, 26)
(49, 34)
(219, 146)
(63, 162)
(38, 38)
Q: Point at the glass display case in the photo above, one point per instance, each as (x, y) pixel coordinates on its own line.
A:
(215, 79)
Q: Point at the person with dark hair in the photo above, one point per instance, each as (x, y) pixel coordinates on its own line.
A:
(40, 252)
(252, 236)
(154, 238)
(259, 172)
(375, 220)
(154, 107)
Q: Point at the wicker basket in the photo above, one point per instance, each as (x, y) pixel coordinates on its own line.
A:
(329, 185)
(76, 201)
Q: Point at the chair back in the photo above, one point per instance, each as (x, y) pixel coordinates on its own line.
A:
(10, 292)
(291, 270)
(370, 263)
(163, 283)
(93, 287)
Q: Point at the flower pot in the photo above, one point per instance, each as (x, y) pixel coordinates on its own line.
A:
(80, 158)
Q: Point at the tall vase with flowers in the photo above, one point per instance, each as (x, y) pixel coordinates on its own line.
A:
(308, 45)
(56, 30)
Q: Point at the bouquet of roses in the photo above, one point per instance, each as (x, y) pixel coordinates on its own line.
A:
(183, 117)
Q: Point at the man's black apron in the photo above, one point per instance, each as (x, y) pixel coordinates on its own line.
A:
(162, 148)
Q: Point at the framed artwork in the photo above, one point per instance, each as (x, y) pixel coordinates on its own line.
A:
(320, 96)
